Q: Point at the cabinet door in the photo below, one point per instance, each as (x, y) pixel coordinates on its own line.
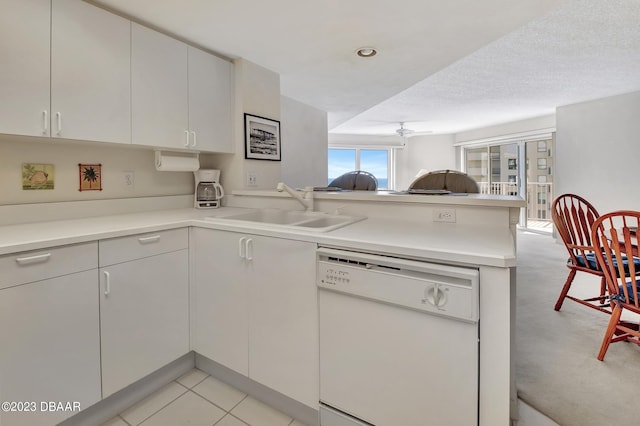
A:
(144, 317)
(159, 91)
(24, 67)
(283, 310)
(209, 102)
(50, 347)
(90, 73)
(219, 298)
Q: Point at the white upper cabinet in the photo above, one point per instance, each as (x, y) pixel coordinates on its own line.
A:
(209, 102)
(71, 70)
(181, 96)
(159, 90)
(90, 73)
(24, 67)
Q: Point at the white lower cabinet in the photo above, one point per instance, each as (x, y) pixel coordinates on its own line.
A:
(49, 338)
(144, 305)
(255, 308)
(219, 299)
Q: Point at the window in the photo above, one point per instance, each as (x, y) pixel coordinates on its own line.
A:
(542, 163)
(341, 161)
(542, 198)
(375, 161)
(542, 178)
(542, 146)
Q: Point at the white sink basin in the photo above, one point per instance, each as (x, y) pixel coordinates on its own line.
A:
(312, 221)
(282, 217)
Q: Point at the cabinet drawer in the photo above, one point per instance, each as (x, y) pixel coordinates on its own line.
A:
(36, 265)
(123, 249)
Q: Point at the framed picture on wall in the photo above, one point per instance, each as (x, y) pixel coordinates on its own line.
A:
(261, 138)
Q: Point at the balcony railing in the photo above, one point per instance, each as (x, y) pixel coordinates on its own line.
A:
(539, 197)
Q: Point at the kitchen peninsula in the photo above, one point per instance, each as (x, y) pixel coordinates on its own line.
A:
(197, 252)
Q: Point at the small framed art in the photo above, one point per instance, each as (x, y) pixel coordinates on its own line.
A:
(37, 176)
(90, 177)
(262, 138)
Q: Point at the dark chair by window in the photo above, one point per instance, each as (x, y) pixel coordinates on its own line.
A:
(450, 180)
(358, 180)
(616, 234)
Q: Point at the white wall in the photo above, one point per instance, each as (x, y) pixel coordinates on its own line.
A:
(65, 156)
(257, 92)
(304, 144)
(433, 152)
(597, 147)
(510, 130)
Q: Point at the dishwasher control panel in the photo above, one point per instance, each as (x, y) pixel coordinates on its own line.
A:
(446, 290)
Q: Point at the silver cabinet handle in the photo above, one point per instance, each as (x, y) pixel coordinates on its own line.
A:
(242, 247)
(147, 240)
(249, 249)
(39, 258)
(59, 119)
(107, 283)
(186, 137)
(193, 139)
(45, 122)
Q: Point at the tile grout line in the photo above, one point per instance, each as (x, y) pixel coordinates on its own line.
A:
(164, 406)
(123, 419)
(245, 397)
(190, 388)
(229, 414)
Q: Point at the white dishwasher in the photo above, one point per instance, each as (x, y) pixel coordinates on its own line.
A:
(398, 341)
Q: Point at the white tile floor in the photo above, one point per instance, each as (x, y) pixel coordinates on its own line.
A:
(197, 399)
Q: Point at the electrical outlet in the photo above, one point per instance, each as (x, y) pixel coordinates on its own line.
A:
(128, 178)
(252, 179)
(444, 215)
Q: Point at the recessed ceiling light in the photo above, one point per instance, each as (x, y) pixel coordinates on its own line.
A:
(366, 52)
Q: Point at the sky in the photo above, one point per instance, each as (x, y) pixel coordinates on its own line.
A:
(344, 160)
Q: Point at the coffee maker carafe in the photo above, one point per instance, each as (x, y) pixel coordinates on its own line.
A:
(208, 191)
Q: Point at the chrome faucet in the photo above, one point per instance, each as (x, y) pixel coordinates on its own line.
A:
(306, 199)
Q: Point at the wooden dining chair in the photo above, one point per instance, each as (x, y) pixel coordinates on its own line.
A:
(616, 233)
(573, 217)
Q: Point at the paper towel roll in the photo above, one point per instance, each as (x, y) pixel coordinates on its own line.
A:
(176, 163)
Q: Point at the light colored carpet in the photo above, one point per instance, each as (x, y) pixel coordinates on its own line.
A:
(557, 371)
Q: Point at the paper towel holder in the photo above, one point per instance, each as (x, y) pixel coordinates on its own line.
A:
(189, 162)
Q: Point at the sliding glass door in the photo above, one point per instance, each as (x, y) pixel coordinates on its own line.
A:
(522, 168)
(495, 168)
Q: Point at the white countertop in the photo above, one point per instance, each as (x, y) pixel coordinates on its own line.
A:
(435, 241)
(396, 197)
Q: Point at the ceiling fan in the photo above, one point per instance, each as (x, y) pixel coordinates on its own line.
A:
(405, 132)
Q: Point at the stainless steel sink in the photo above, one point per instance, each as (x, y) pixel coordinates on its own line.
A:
(311, 221)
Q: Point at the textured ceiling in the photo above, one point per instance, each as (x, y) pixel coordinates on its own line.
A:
(587, 49)
(443, 66)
